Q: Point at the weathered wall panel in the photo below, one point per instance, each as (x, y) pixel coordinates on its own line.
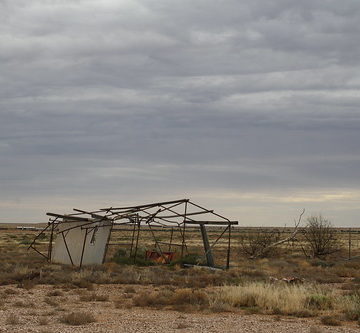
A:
(95, 243)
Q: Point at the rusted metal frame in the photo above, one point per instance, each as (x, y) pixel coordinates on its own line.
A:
(220, 236)
(39, 252)
(163, 225)
(67, 248)
(93, 215)
(102, 219)
(123, 223)
(166, 220)
(182, 236)
(170, 209)
(32, 245)
(172, 244)
(107, 242)
(85, 236)
(151, 205)
(38, 235)
(208, 252)
(160, 210)
(148, 214)
(133, 238)
(68, 217)
(126, 214)
(208, 248)
(83, 248)
(183, 231)
(223, 217)
(229, 249)
(182, 215)
(171, 237)
(50, 242)
(213, 222)
(158, 245)
(80, 226)
(156, 242)
(137, 238)
(173, 211)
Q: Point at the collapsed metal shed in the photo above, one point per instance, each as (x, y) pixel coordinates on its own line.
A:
(83, 237)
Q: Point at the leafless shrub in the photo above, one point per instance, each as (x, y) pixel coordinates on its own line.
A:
(257, 244)
(264, 243)
(320, 237)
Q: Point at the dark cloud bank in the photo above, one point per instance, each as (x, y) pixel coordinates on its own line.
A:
(250, 107)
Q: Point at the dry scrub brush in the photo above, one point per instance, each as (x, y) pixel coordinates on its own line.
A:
(299, 300)
(78, 318)
(320, 238)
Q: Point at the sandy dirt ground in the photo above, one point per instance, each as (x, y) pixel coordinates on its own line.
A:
(29, 306)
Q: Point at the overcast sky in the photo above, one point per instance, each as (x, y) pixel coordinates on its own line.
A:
(248, 107)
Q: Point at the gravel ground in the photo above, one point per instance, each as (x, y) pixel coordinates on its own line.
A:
(29, 307)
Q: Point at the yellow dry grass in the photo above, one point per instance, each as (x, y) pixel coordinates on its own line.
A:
(275, 298)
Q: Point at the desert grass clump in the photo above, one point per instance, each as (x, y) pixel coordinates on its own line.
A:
(297, 300)
(189, 296)
(330, 321)
(50, 301)
(155, 299)
(320, 301)
(78, 318)
(181, 299)
(93, 297)
(43, 321)
(10, 291)
(129, 290)
(55, 293)
(350, 306)
(24, 304)
(12, 319)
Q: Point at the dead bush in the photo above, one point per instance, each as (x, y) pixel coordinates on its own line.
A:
(320, 238)
(257, 244)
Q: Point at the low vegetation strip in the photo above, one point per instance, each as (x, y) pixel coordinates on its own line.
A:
(277, 298)
(305, 300)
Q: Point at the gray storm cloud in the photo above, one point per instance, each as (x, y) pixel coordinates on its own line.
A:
(251, 107)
